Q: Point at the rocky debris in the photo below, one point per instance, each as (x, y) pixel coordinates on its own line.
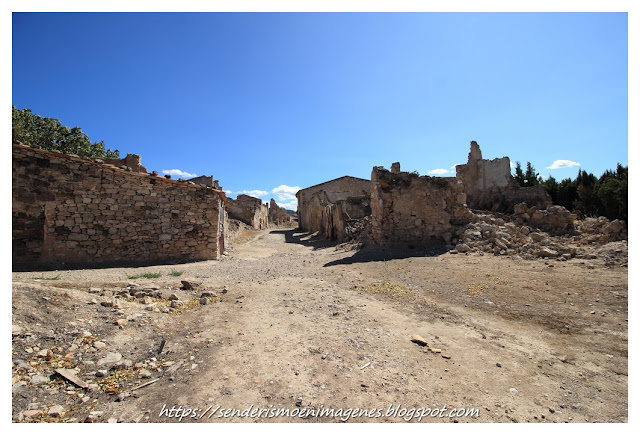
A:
(110, 359)
(16, 330)
(552, 233)
(55, 411)
(419, 340)
(71, 377)
(600, 230)
(189, 285)
(39, 380)
(31, 413)
(173, 297)
(554, 218)
(93, 416)
(462, 247)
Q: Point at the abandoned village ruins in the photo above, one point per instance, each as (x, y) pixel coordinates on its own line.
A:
(73, 210)
(481, 209)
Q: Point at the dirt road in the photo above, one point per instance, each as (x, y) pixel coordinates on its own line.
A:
(305, 325)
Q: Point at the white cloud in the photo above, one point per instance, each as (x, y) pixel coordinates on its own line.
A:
(228, 192)
(285, 194)
(291, 205)
(439, 171)
(513, 165)
(253, 192)
(561, 164)
(178, 173)
(453, 168)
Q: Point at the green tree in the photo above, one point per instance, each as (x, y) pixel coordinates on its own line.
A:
(519, 177)
(528, 178)
(50, 134)
(587, 203)
(531, 177)
(612, 193)
(567, 193)
(551, 186)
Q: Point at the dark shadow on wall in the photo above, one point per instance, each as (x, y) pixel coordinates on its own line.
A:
(374, 253)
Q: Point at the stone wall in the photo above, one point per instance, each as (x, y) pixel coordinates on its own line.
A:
(277, 214)
(330, 208)
(409, 208)
(205, 180)
(76, 211)
(132, 161)
(489, 184)
(249, 210)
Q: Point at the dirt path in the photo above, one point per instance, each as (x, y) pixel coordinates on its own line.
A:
(304, 325)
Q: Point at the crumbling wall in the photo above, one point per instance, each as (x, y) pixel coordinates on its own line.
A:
(406, 207)
(277, 214)
(132, 161)
(249, 210)
(331, 208)
(76, 211)
(489, 184)
(205, 180)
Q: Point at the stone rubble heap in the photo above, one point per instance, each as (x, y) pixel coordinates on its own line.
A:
(530, 233)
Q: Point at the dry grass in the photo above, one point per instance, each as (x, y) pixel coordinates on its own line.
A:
(117, 380)
(393, 290)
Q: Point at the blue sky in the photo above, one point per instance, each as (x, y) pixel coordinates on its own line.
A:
(267, 102)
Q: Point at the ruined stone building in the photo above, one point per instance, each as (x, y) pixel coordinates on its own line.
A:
(77, 211)
(205, 180)
(406, 207)
(489, 184)
(277, 214)
(331, 207)
(252, 211)
(132, 162)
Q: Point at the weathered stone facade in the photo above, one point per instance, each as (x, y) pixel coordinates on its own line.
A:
(489, 184)
(409, 208)
(277, 214)
(252, 211)
(132, 161)
(205, 180)
(76, 211)
(331, 207)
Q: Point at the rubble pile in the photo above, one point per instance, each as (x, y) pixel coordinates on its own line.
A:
(531, 233)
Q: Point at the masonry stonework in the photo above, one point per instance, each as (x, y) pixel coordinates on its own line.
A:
(406, 207)
(252, 211)
(489, 184)
(75, 211)
(331, 208)
(277, 214)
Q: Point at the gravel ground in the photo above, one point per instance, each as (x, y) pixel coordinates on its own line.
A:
(293, 322)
